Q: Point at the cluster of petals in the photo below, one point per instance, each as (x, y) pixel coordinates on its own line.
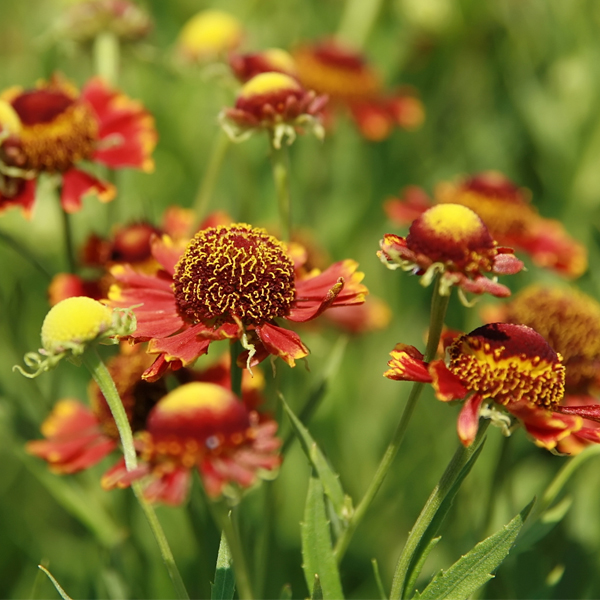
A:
(506, 210)
(329, 67)
(570, 321)
(176, 329)
(452, 241)
(54, 129)
(510, 365)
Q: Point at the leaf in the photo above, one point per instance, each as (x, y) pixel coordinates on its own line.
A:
(317, 553)
(286, 592)
(317, 593)
(342, 504)
(378, 581)
(55, 583)
(473, 569)
(224, 585)
(420, 562)
(545, 524)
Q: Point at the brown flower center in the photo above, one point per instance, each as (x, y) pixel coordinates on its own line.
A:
(58, 131)
(234, 272)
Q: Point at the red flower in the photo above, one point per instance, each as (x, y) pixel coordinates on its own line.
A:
(60, 128)
(344, 75)
(508, 214)
(272, 60)
(452, 240)
(205, 426)
(512, 365)
(230, 282)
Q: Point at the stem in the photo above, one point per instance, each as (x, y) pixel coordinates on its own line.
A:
(69, 246)
(358, 20)
(207, 186)
(106, 56)
(240, 569)
(25, 253)
(236, 373)
(438, 495)
(105, 382)
(281, 174)
(439, 305)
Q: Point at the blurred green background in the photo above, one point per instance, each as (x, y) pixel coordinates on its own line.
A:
(510, 85)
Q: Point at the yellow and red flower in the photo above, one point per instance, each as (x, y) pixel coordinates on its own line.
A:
(275, 102)
(59, 129)
(231, 282)
(328, 67)
(205, 426)
(272, 60)
(511, 365)
(451, 240)
(508, 214)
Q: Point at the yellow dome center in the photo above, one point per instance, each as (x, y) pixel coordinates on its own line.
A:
(269, 83)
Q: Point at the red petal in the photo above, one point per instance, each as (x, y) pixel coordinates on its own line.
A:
(447, 385)
(591, 412)
(413, 203)
(282, 342)
(185, 346)
(407, 365)
(24, 196)
(76, 184)
(468, 419)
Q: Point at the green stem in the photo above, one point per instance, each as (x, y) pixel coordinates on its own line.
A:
(105, 382)
(447, 482)
(236, 373)
(358, 20)
(439, 305)
(106, 56)
(207, 186)
(242, 579)
(281, 174)
(69, 246)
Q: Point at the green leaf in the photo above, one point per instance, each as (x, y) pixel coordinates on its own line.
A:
(546, 522)
(317, 553)
(317, 593)
(55, 583)
(286, 592)
(476, 567)
(224, 585)
(342, 504)
(378, 581)
(422, 557)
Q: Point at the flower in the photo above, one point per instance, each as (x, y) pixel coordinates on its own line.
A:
(511, 365)
(452, 240)
(204, 426)
(59, 129)
(507, 212)
(209, 35)
(86, 19)
(71, 326)
(247, 66)
(328, 67)
(277, 103)
(77, 438)
(231, 282)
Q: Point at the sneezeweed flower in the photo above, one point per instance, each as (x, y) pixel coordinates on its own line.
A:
(59, 129)
(328, 67)
(506, 210)
(231, 282)
(70, 327)
(499, 370)
(77, 437)
(271, 60)
(452, 241)
(203, 426)
(209, 36)
(86, 19)
(276, 103)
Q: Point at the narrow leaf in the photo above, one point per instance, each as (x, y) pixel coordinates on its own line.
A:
(546, 522)
(342, 504)
(421, 561)
(317, 553)
(224, 585)
(317, 593)
(378, 581)
(55, 583)
(476, 567)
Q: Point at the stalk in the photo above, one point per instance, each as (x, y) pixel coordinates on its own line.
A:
(280, 162)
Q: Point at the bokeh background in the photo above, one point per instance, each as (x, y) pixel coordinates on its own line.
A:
(510, 85)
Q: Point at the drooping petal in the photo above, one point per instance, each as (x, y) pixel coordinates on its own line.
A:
(447, 385)
(186, 346)
(282, 342)
(170, 488)
(21, 194)
(76, 184)
(412, 203)
(407, 365)
(468, 419)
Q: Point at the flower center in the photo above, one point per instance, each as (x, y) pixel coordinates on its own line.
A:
(210, 33)
(57, 131)
(508, 363)
(234, 273)
(452, 233)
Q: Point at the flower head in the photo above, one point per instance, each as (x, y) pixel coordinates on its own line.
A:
(276, 102)
(506, 210)
(58, 129)
(452, 240)
(231, 281)
(71, 326)
(209, 35)
(204, 426)
(511, 365)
